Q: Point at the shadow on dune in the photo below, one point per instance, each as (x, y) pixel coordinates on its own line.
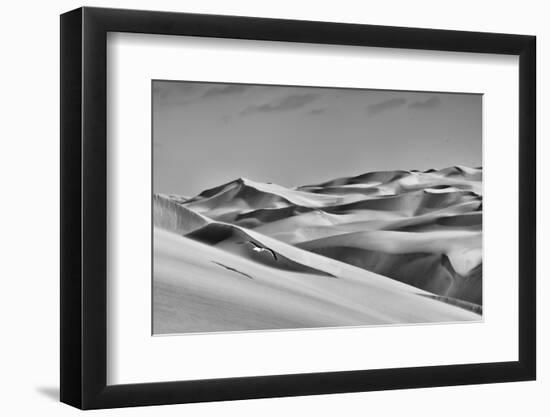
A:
(428, 271)
(463, 221)
(236, 240)
(378, 176)
(237, 195)
(413, 203)
(258, 217)
(475, 308)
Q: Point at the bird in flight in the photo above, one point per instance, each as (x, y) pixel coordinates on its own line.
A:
(258, 248)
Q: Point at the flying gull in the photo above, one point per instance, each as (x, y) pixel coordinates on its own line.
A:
(259, 249)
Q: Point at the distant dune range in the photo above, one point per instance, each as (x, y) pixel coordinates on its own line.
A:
(406, 233)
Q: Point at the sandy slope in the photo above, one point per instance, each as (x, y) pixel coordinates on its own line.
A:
(169, 215)
(200, 288)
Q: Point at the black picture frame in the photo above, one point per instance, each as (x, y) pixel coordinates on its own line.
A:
(84, 207)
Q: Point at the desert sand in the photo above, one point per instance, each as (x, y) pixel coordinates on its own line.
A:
(394, 247)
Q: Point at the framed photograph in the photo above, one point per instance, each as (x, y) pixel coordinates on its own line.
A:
(257, 208)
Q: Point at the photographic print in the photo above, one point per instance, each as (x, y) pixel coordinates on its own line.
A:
(289, 207)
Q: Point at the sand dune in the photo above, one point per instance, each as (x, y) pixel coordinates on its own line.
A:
(236, 240)
(415, 232)
(244, 195)
(384, 182)
(194, 291)
(170, 215)
(444, 263)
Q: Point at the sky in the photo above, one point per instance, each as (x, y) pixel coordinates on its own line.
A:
(207, 134)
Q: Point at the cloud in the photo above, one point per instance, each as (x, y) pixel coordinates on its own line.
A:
(315, 112)
(430, 103)
(382, 106)
(292, 102)
(225, 90)
(174, 92)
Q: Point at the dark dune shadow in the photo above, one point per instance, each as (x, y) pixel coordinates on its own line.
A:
(235, 240)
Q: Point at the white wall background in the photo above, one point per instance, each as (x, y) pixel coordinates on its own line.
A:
(29, 159)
